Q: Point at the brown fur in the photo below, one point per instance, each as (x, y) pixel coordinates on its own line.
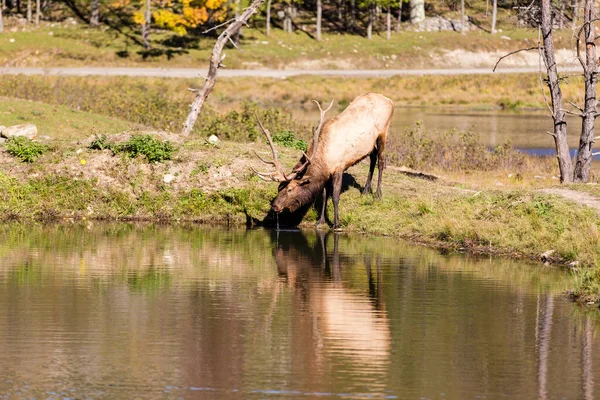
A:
(344, 141)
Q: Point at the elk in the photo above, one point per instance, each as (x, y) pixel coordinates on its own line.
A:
(359, 131)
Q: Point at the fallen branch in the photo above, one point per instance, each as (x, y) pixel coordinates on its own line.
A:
(215, 64)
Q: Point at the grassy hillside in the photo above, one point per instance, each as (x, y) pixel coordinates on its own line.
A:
(57, 121)
(81, 46)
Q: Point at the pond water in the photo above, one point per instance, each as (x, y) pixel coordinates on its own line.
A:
(125, 311)
(526, 130)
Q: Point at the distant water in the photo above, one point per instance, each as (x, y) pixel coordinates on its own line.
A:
(119, 311)
(527, 131)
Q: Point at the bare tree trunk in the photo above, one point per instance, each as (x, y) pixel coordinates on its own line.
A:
(236, 37)
(352, 14)
(268, 18)
(575, 14)
(287, 22)
(399, 26)
(1, 16)
(561, 23)
(146, 26)
(417, 11)
(388, 34)
(462, 17)
(319, 15)
(29, 12)
(38, 12)
(590, 72)
(494, 15)
(215, 63)
(370, 23)
(95, 18)
(558, 115)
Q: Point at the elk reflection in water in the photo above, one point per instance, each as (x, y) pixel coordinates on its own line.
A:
(348, 323)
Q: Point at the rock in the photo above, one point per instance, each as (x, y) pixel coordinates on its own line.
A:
(79, 151)
(2, 127)
(213, 139)
(27, 130)
(168, 178)
(573, 264)
(545, 256)
(505, 38)
(2, 140)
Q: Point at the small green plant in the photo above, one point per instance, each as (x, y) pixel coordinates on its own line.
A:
(100, 142)
(146, 145)
(288, 139)
(201, 168)
(25, 149)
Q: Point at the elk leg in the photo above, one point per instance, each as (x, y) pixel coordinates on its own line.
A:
(324, 207)
(337, 190)
(380, 164)
(373, 156)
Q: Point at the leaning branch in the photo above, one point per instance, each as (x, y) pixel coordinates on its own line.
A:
(511, 53)
(215, 64)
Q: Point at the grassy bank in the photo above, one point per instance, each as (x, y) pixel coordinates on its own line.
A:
(65, 45)
(483, 201)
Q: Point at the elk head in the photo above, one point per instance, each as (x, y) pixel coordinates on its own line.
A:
(296, 189)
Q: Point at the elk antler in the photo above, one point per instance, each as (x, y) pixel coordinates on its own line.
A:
(278, 175)
(317, 131)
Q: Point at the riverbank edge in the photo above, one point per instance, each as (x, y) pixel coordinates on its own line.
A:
(226, 220)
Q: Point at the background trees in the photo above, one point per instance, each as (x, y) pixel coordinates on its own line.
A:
(315, 17)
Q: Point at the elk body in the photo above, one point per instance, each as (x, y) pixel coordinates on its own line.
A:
(359, 131)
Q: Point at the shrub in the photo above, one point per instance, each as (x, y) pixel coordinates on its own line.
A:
(146, 145)
(288, 139)
(455, 151)
(100, 142)
(241, 125)
(25, 149)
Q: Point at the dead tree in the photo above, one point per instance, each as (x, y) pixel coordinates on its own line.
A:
(268, 19)
(38, 12)
(215, 63)
(95, 17)
(319, 18)
(1, 18)
(29, 12)
(588, 114)
(558, 113)
(146, 26)
(494, 15)
(388, 31)
(462, 17)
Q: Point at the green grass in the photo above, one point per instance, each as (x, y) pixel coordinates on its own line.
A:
(80, 46)
(58, 121)
(25, 149)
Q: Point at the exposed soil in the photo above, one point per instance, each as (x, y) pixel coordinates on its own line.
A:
(584, 199)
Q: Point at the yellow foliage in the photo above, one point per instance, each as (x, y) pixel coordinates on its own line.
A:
(139, 18)
(119, 4)
(180, 15)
